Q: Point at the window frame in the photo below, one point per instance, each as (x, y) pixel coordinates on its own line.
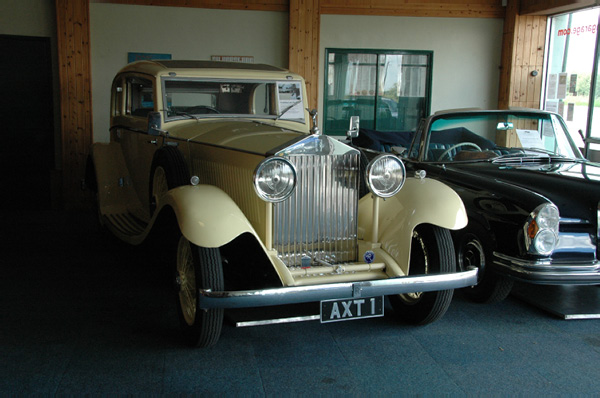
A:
(378, 52)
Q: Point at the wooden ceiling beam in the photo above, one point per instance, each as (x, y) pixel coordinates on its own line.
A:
(256, 5)
(551, 7)
(416, 8)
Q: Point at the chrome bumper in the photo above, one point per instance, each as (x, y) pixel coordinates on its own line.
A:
(305, 294)
(545, 272)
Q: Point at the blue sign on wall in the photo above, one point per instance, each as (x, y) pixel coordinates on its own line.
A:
(131, 57)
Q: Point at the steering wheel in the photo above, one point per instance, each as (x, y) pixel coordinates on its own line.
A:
(202, 109)
(447, 151)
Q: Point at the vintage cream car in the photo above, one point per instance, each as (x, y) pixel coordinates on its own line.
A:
(218, 160)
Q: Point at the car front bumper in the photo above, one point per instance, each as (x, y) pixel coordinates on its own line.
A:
(305, 294)
(545, 272)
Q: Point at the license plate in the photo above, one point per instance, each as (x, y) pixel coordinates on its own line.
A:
(347, 309)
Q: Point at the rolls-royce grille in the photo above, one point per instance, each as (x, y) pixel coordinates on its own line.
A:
(318, 223)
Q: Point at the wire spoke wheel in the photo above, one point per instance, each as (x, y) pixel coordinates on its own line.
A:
(198, 268)
(419, 265)
(160, 187)
(432, 252)
(186, 280)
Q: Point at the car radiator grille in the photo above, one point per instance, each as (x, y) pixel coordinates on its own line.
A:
(319, 220)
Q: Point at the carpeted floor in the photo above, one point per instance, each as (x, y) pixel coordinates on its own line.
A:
(83, 314)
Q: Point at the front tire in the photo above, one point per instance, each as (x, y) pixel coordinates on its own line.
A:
(432, 252)
(198, 268)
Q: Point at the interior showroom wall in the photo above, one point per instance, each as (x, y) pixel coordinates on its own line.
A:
(466, 52)
(183, 33)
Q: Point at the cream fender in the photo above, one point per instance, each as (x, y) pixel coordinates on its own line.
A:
(207, 216)
(421, 201)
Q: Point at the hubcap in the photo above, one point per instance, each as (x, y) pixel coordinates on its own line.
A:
(472, 255)
(159, 186)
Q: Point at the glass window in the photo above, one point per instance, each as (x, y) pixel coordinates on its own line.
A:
(215, 98)
(117, 98)
(570, 71)
(140, 100)
(388, 90)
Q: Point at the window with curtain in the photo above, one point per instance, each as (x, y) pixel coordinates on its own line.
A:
(389, 90)
(572, 67)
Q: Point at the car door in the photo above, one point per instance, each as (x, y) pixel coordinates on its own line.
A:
(138, 100)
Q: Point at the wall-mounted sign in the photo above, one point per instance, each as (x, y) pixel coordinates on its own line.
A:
(131, 57)
(233, 58)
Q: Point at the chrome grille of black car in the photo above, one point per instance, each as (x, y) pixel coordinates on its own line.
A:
(319, 220)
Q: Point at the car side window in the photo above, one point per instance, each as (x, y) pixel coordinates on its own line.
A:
(117, 104)
(140, 99)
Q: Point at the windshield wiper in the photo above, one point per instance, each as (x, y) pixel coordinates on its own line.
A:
(287, 109)
(179, 113)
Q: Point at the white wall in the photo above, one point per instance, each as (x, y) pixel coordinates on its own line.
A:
(466, 52)
(27, 18)
(186, 33)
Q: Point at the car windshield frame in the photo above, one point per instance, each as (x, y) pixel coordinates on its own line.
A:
(201, 98)
(491, 136)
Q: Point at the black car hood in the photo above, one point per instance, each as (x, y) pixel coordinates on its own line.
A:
(573, 186)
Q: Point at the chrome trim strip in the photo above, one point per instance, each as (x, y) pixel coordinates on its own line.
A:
(548, 272)
(304, 294)
(547, 265)
(243, 324)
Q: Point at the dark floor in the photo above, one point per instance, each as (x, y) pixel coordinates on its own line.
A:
(83, 314)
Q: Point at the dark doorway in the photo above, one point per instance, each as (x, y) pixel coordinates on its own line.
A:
(26, 122)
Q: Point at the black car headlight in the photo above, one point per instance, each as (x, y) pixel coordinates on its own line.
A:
(274, 179)
(385, 175)
(541, 230)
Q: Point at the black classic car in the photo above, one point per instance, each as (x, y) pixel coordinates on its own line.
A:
(532, 199)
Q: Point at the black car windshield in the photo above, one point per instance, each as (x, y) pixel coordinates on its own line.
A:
(197, 98)
(480, 136)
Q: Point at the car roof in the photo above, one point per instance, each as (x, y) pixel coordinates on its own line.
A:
(156, 67)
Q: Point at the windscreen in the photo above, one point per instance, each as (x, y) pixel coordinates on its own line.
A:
(224, 98)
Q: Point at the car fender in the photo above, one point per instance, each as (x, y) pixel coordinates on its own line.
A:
(420, 201)
(206, 215)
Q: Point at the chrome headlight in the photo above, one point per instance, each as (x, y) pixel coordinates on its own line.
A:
(541, 230)
(274, 179)
(385, 175)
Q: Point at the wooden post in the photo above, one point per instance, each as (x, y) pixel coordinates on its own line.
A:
(304, 45)
(522, 59)
(73, 32)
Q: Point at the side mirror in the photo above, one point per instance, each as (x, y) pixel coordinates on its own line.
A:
(154, 124)
(354, 127)
(505, 126)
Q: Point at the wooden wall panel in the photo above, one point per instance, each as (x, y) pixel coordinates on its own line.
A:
(304, 45)
(524, 40)
(549, 7)
(73, 32)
